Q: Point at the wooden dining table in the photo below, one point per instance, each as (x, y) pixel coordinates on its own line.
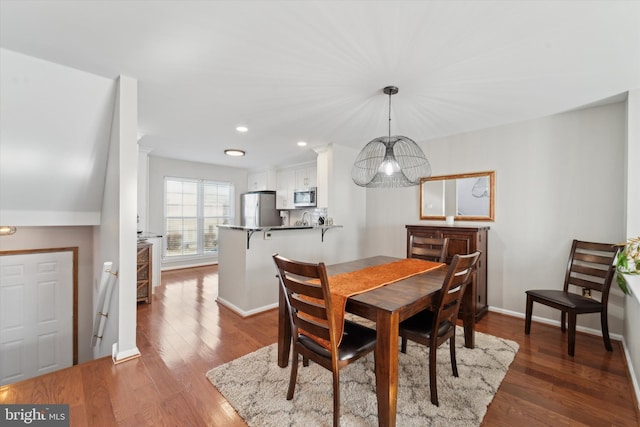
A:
(387, 306)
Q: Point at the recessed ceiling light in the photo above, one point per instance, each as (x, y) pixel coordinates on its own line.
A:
(234, 152)
(302, 144)
(242, 129)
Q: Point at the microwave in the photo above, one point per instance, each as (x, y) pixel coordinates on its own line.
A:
(304, 198)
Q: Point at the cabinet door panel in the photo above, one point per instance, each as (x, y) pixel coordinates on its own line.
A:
(284, 189)
(458, 244)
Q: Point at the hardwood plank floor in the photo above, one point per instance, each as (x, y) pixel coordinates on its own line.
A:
(184, 333)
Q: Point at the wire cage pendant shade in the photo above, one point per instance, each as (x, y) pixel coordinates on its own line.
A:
(390, 161)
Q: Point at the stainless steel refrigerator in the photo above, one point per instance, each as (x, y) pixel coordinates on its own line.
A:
(259, 209)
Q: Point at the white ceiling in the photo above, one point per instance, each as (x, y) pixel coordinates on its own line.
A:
(314, 71)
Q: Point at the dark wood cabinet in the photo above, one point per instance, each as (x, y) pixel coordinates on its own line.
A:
(462, 240)
(144, 272)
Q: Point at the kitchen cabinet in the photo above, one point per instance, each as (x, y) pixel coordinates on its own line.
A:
(293, 178)
(261, 180)
(306, 177)
(462, 240)
(144, 272)
(286, 182)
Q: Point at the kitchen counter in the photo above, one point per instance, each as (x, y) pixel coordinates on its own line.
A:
(247, 282)
(278, 227)
(251, 230)
(148, 235)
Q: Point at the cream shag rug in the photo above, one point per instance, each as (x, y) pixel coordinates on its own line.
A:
(256, 387)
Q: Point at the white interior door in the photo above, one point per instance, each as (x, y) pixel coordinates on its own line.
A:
(36, 314)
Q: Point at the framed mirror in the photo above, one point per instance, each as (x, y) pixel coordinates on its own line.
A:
(466, 196)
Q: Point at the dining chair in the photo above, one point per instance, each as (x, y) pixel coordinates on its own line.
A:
(434, 327)
(591, 267)
(313, 325)
(428, 248)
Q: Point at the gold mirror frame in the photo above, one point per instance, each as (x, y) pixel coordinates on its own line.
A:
(439, 196)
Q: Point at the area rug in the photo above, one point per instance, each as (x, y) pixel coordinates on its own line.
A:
(256, 387)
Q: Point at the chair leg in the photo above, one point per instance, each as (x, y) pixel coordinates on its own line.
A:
(605, 330)
(527, 321)
(305, 361)
(572, 332)
(403, 345)
(452, 352)
(336, 398)
(294, 375)
(563, 318)
(432, 374)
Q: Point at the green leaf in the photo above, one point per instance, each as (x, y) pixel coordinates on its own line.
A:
(622, 283)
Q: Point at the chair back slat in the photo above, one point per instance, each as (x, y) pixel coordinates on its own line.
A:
(315, 309)
(591, 265)
(428, 248)
(303, 287)
(311, 327)
(592, 258)
(589, 270)
(584, 283)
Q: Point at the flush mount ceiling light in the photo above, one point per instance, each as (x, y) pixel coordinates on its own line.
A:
(390, 161)
(302, 144)
(234, 152)
(242, 129)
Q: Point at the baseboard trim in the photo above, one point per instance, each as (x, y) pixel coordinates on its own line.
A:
(552, 322)
(245, 313)
(632, 374)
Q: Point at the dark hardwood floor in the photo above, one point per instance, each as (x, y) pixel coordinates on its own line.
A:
(184, 333)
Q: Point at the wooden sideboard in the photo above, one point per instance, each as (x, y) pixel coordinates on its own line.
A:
(144, 272)
(462, 240)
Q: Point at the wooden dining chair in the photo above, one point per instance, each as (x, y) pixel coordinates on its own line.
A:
(433, 328)
(428, 248)
(591, 266)
(313, 325)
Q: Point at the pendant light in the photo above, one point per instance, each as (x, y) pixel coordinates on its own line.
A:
(390, 161)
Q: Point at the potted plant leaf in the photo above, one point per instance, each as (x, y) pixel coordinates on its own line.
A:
(628, 264)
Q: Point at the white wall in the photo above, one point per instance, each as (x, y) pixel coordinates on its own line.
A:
(54, 123)
(59, 237)
(632, 307)
(116, 237)
(161, 167)
(557, 178)
(346, 204)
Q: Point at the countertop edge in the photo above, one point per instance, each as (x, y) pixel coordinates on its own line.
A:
(279, 227)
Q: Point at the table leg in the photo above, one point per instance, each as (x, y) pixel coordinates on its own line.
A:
(386, 360)
(284, 330)
(469, 314)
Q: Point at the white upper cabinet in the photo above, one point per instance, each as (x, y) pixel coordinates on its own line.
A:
(294, 178)
(306, 177)
(257, 181)
(286, 180)
(262, 180)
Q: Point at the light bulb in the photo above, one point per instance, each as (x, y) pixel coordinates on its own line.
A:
(389, 167)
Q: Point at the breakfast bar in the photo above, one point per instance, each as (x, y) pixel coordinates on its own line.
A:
(247, 281)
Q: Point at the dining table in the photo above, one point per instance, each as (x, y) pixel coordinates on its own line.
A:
(387, 306)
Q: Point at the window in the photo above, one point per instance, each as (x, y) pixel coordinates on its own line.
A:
(193, 210)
